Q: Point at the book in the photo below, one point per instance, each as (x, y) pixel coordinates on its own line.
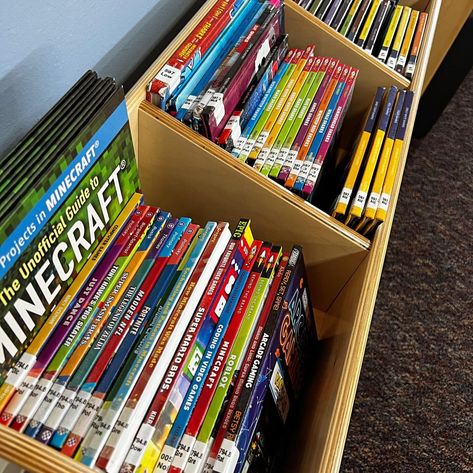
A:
(358, 155)
(192, 461)
(398, 39)
(368, 24)
(211, 309)
(407, 41)
(383, 162)
(342, 14)
(389, 36)
(416, 44)
(350, 17)
(358, 202)
(358, 20)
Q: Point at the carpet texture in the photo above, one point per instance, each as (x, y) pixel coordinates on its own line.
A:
(414, 405)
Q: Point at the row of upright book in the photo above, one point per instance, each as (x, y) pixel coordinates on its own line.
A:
(183, 349)
(280, 110)
(390, 32)
(131, 339)
(368, 180)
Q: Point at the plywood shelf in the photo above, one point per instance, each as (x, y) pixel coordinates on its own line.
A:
(185, 173)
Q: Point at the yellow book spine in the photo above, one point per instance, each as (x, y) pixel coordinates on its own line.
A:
(344, 198)
(358, 204)
(406, 13)
(376, 188)
(392, 27)
(369, 21)
(273, 135)
(406, 44)
(385, 197)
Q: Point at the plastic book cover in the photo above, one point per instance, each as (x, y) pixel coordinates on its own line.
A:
(407, 41)
(336, 120)
(389, 36)
(85, 317)
(286, 73)
(285, 363)
(291, 148)
(279, 107)
(323, 97)
(416, 44)
(322, 120)
(248, 129)
(194, 278)
(244, 69)
(358, 20)
(265, 160)
(97, 387)
(268, 257)
(191, 51)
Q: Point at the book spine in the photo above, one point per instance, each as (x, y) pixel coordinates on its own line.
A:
(406, 44)
(31, 409)
(85, 406)
(242, 389)
(279, 106)
(210, 63)
(284, 161)
(215, 359)
(293, 58)
(376, 189)
(267, 259)
(368, 25)
(248, 129)
(69, 320)
(250, 101)
(330, 16)
(335, 121)
(212, 309)
(401, 30)
(23, 366)
(347, 23)
(130, 301)
(341, 14)
(416, 44)
(115, 451)
(190, 52)
(323, 117)
(388, 38)
(323, 96)
(241, 74)
(377, 23)
(358, 154)
(357, 22)
(283, 371)
(266, 157)
(381, 212)
(294, 121)
(359, 200)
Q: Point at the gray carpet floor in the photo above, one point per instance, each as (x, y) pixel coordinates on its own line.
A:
(414, 405)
